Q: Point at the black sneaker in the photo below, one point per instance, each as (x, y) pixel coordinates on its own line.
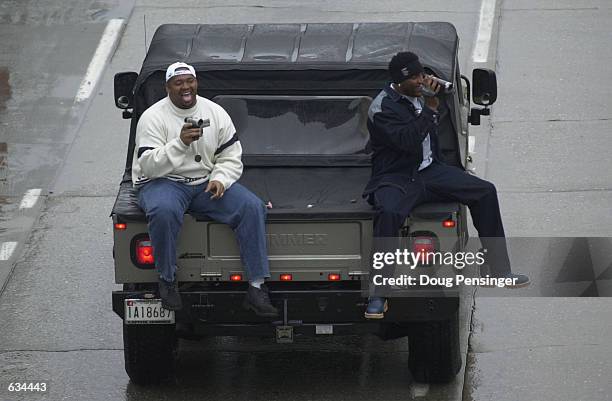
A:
(518, 280)
(258, 300)
(168, 292)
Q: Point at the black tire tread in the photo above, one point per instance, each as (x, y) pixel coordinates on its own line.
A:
(434, 351)
(150, 352)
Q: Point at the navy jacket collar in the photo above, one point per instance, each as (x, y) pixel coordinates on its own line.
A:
(392, 93)
(397, 97)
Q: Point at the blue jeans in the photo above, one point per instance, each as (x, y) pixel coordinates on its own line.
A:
(165, 203)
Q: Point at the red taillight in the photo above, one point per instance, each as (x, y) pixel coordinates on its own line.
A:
(422, 246)
(448, 223)
(120, 226)
(236, 277)
(286, 277)
(333, 277)
(144, 252)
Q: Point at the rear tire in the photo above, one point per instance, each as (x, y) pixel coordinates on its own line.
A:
(434, 351)
(150, 352)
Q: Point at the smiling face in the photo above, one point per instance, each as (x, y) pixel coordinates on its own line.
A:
(412, 86)
(182, 90)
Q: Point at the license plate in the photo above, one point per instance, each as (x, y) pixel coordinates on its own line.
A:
(147, 311)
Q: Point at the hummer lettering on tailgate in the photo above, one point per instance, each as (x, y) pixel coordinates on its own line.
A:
(278, 240)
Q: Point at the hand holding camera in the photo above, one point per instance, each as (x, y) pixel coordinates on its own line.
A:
(192, 130)
(442, 86)
(430, 89)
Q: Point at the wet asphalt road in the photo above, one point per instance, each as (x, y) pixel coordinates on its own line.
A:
(541, 148)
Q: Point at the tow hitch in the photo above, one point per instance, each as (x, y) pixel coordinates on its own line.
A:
(284, 332)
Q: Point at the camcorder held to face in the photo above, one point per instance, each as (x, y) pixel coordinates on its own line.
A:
(197, 122)
(445, 87)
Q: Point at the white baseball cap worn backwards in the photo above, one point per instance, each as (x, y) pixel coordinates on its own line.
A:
(179, 68)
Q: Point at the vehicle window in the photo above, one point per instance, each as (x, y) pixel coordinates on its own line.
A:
(299, 125)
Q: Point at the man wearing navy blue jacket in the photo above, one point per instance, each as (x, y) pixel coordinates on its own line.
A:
(407, 169)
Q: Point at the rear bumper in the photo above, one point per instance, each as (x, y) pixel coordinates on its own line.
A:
(220, 312)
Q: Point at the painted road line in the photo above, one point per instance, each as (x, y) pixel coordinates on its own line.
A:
(107, 45)
(485, 30)
(7, 249)
(30, 198)
(471, 143)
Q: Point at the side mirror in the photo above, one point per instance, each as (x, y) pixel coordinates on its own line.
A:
(484, 86)
(124, 89)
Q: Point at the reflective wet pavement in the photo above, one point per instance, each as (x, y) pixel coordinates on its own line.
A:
(58, 326)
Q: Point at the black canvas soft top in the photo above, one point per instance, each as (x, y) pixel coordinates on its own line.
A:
(322, 59)
(314, 46)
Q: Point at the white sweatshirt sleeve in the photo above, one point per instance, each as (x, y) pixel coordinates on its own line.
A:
(156, 157)
(228, 163)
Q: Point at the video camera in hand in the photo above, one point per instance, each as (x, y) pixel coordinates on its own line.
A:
(197, 122)
(445, 87)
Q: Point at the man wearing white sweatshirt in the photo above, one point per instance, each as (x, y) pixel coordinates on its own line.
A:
(179, 168)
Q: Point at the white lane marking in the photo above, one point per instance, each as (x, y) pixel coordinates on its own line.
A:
(471, 143)
(105, 49)
(485, 29)
(30, 198)
(7, 249)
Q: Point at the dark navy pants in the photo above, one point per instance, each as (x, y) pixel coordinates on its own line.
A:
(443, 183)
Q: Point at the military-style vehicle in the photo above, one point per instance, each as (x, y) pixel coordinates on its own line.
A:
(298, 95)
